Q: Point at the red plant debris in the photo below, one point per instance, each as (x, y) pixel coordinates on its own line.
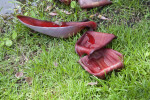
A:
(92, 41)
(99, 61)
(66, 1)
(89, 3)
(56, 29)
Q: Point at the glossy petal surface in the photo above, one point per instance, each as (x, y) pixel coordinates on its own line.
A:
(92, 41)
(61, 29)
(41, 23)
(101, 62)
(93, 3)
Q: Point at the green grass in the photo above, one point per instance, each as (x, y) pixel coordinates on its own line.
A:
(35, 54)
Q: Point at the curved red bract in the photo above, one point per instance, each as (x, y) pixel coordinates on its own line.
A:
(44, 23)
(93, 3)
(60, 29)
(89, 3)
(92, 41)
(41, 23)
(101, 62)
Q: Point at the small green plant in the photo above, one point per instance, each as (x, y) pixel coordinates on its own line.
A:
(8, 41)
(73, 4)
(14, 35)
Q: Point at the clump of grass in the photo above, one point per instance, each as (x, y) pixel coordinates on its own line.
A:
(52, 62)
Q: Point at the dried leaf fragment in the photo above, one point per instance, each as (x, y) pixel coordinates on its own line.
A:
(103, 18)
(19, 74)
(48, 8)
(66, 12)
(53, 13)
(91, 16)
(92, 83)
(29, 80)
(55, 64)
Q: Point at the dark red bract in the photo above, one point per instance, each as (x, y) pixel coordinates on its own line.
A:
(92, 41)
(99, 61)
(41, 23)
(56, 29)
(89, 3)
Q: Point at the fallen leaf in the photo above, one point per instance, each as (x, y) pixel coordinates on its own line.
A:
(91, 16)
(55, 64)
(19, 74)
(92, 83)
(93, 3)
(53, 13)
(29, 80)
(103, 18)
(48, 8)
(66, 12)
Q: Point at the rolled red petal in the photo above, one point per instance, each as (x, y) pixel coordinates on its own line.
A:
(101, 62)
(93, 3)
(65, 1)
(61, 29)
(92, 41)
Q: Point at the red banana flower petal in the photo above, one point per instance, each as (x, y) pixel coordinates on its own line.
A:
(66, 1)
(101, 62)
(62, 29)
(92, 41)
(93, 3)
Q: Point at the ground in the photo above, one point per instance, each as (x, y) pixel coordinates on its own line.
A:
(52, 63)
